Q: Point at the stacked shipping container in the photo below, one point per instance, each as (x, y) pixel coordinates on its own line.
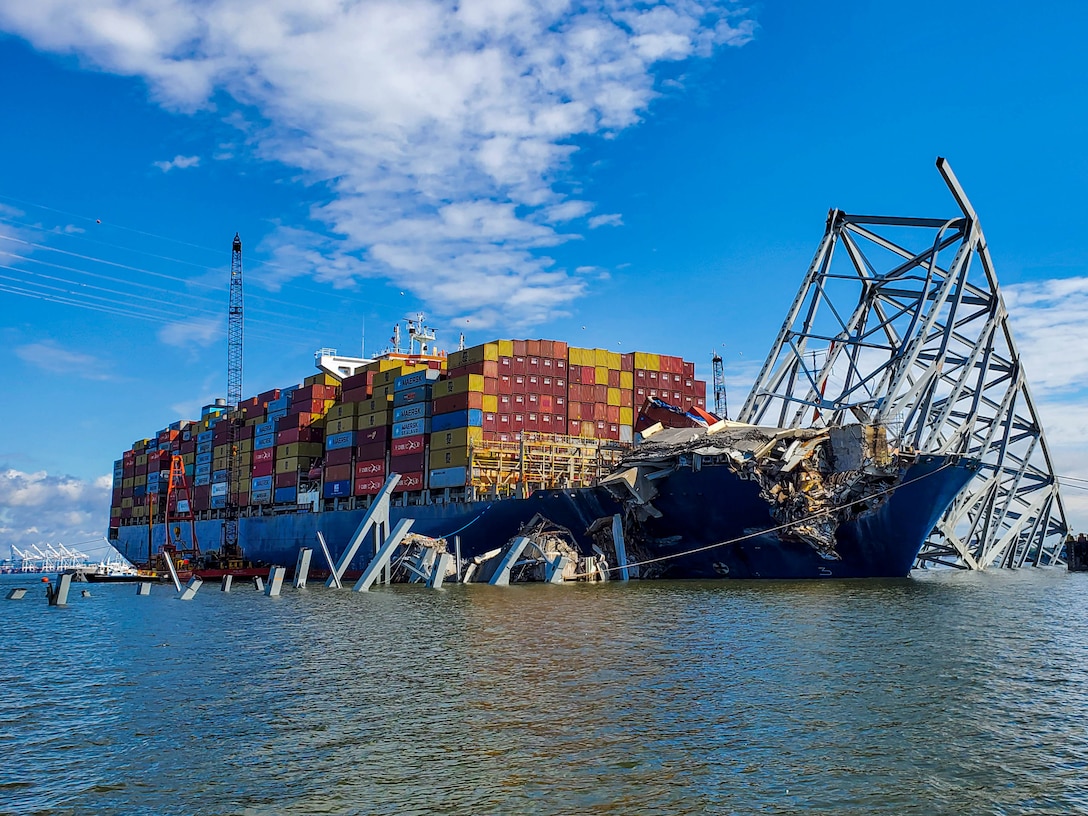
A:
(421, 418)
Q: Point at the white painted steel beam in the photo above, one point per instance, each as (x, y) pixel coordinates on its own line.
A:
(191, 588)
(334, 579)
(513, 553)
(376, 518)
(302, 566)
(621, 546)
(438, 571)
(275, 581)
(381, 558)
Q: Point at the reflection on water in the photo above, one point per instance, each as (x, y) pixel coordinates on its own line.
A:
(946, 693)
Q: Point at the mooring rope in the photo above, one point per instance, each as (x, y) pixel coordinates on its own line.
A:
(785, 526)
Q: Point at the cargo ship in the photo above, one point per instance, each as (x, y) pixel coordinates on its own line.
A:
(488, 437)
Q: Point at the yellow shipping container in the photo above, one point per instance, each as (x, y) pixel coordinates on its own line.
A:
(389, 376)
(615, 360)
(296, 449)
(128, 481)
(458, 385)
(600, 375)
(456, 437)
(613, 396)
(219, 451)
(220, 464)
(115, 512)
(589, 429)
(600, 358)
(647, 362)
(246, 446)
(126, 502)
(293, 464)
(324, 378)
(627, 416)
(506, 348)
(344, 409)
(476, 354)
(449, 457)
(140, 480)
(139, 510)
(382, 403)
(141, 459)
(335, 426)
(188, 458)
(627, 380)
(576, 356)
(491, 403)
(374, 419)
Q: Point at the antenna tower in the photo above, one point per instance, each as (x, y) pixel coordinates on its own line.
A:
(721, 407)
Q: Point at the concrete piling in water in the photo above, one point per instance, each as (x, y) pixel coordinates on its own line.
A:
(58, 595)
(191, 588)
(275, 581)
(302, 567)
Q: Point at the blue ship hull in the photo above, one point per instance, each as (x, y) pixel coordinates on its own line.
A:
(700, 510)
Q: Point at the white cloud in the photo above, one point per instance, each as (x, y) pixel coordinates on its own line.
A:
(442, 130)
(195, 332)
(36, 508)
(609, 220)
(53, 359)
(180, 162)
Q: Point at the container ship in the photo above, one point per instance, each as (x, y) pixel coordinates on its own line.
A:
(487, 438)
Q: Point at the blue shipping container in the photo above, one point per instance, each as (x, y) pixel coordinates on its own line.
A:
(139, 491)
(265, 428)
(204, 458)
(205, 436)
(427, 375)
(261, 483)
(219, 476)
(218, 501)
(263, 442)
(338, 441)
(448, 477)
(204, 469)
(417, 410)
(202, 479)
(203, 447)
(415, 393)
(219, 489)
(457, 419)
(285, 495)
(413, 427)
(260, 497)
(334, 490)
(282, 412)
(278, 404)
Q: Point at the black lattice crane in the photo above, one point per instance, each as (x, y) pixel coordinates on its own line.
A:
(721, 407)
(235, 325)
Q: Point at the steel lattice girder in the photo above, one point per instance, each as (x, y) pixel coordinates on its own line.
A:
(918, 340)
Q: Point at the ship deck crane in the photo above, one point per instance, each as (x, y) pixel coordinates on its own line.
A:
(230, 548)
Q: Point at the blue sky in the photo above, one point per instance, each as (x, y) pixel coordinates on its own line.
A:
(618, 175)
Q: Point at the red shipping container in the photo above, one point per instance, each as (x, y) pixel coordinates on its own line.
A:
(489, 368)
(356, 395)
(409, 482)
(268, 396)
(286, 479)
(364, 379)
(300, 420)
(533, 365)
(600, 394)
(411, 463)
(369, 485)
(315, 406)
(373, 450)
(128, 458)
(370, 468)
(613, 378)
(547, 403)
(506, 384)
(518, 365)
(408, 445)
(627, 399)
(612, 413)
(338, 473)
(378, 433)
(126, 492)
(700, 388)
(491, 422)
(532, 348)
(263, 469)
(341, 456)
(600, 411)
(246, 432)
(457, 402)
(315, 392)
(264, 455)
(519, 348)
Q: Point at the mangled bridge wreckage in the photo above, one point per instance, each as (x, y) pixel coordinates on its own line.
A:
(891, 426)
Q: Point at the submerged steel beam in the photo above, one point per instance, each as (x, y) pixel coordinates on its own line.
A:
(906, 327)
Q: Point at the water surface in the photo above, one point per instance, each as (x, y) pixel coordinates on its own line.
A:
(944, 693)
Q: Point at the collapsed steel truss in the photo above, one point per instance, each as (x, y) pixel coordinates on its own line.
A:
(918, 340)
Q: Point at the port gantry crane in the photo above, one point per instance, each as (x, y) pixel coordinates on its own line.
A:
(918, 340)
(230, 548)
